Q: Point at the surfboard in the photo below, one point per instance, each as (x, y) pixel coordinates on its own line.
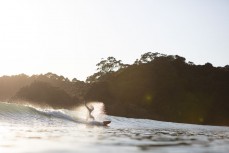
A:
(97, 123)
(105, 123)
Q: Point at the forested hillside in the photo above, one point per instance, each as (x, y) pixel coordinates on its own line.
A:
(165, 88)
(48, 89)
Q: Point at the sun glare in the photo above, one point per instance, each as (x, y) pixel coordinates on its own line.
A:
(4, 133)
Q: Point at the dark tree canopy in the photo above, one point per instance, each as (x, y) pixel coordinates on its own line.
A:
(10, 85)
(42, 93)
(148, 57)
(106, 66)
(165, 87)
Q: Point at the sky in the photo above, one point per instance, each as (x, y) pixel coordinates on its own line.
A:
(69, 37)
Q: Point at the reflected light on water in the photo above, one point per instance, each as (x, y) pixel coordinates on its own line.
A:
(4, 142)
(20, 138)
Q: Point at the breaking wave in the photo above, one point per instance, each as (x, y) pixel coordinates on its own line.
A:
(28, 114)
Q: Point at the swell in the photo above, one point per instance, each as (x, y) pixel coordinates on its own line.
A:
(18, 113)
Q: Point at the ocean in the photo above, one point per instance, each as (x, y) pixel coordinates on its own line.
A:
(29, 129)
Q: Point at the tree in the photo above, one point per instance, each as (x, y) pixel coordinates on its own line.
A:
(94, 77)
(226, 67)
(179, 59)
(74, 80)
(109, 65)
(148, 57)
(106, 66)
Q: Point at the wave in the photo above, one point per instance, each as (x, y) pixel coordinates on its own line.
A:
(18, 113)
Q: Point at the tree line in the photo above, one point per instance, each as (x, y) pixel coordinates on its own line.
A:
(45, 89)
(164, 87)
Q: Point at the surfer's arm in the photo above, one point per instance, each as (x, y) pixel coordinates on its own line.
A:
(89, 109)
(86, 105)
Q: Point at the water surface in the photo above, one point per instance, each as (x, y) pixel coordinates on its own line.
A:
(25, 129)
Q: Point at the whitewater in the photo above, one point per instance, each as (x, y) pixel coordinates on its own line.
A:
(29, 129)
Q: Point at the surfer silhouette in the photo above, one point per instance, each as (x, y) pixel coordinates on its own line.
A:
(90, 109)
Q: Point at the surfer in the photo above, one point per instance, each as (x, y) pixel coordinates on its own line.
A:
(90, 109)
(92, 119)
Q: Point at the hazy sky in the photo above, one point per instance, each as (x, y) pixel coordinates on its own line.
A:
(68, 37)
